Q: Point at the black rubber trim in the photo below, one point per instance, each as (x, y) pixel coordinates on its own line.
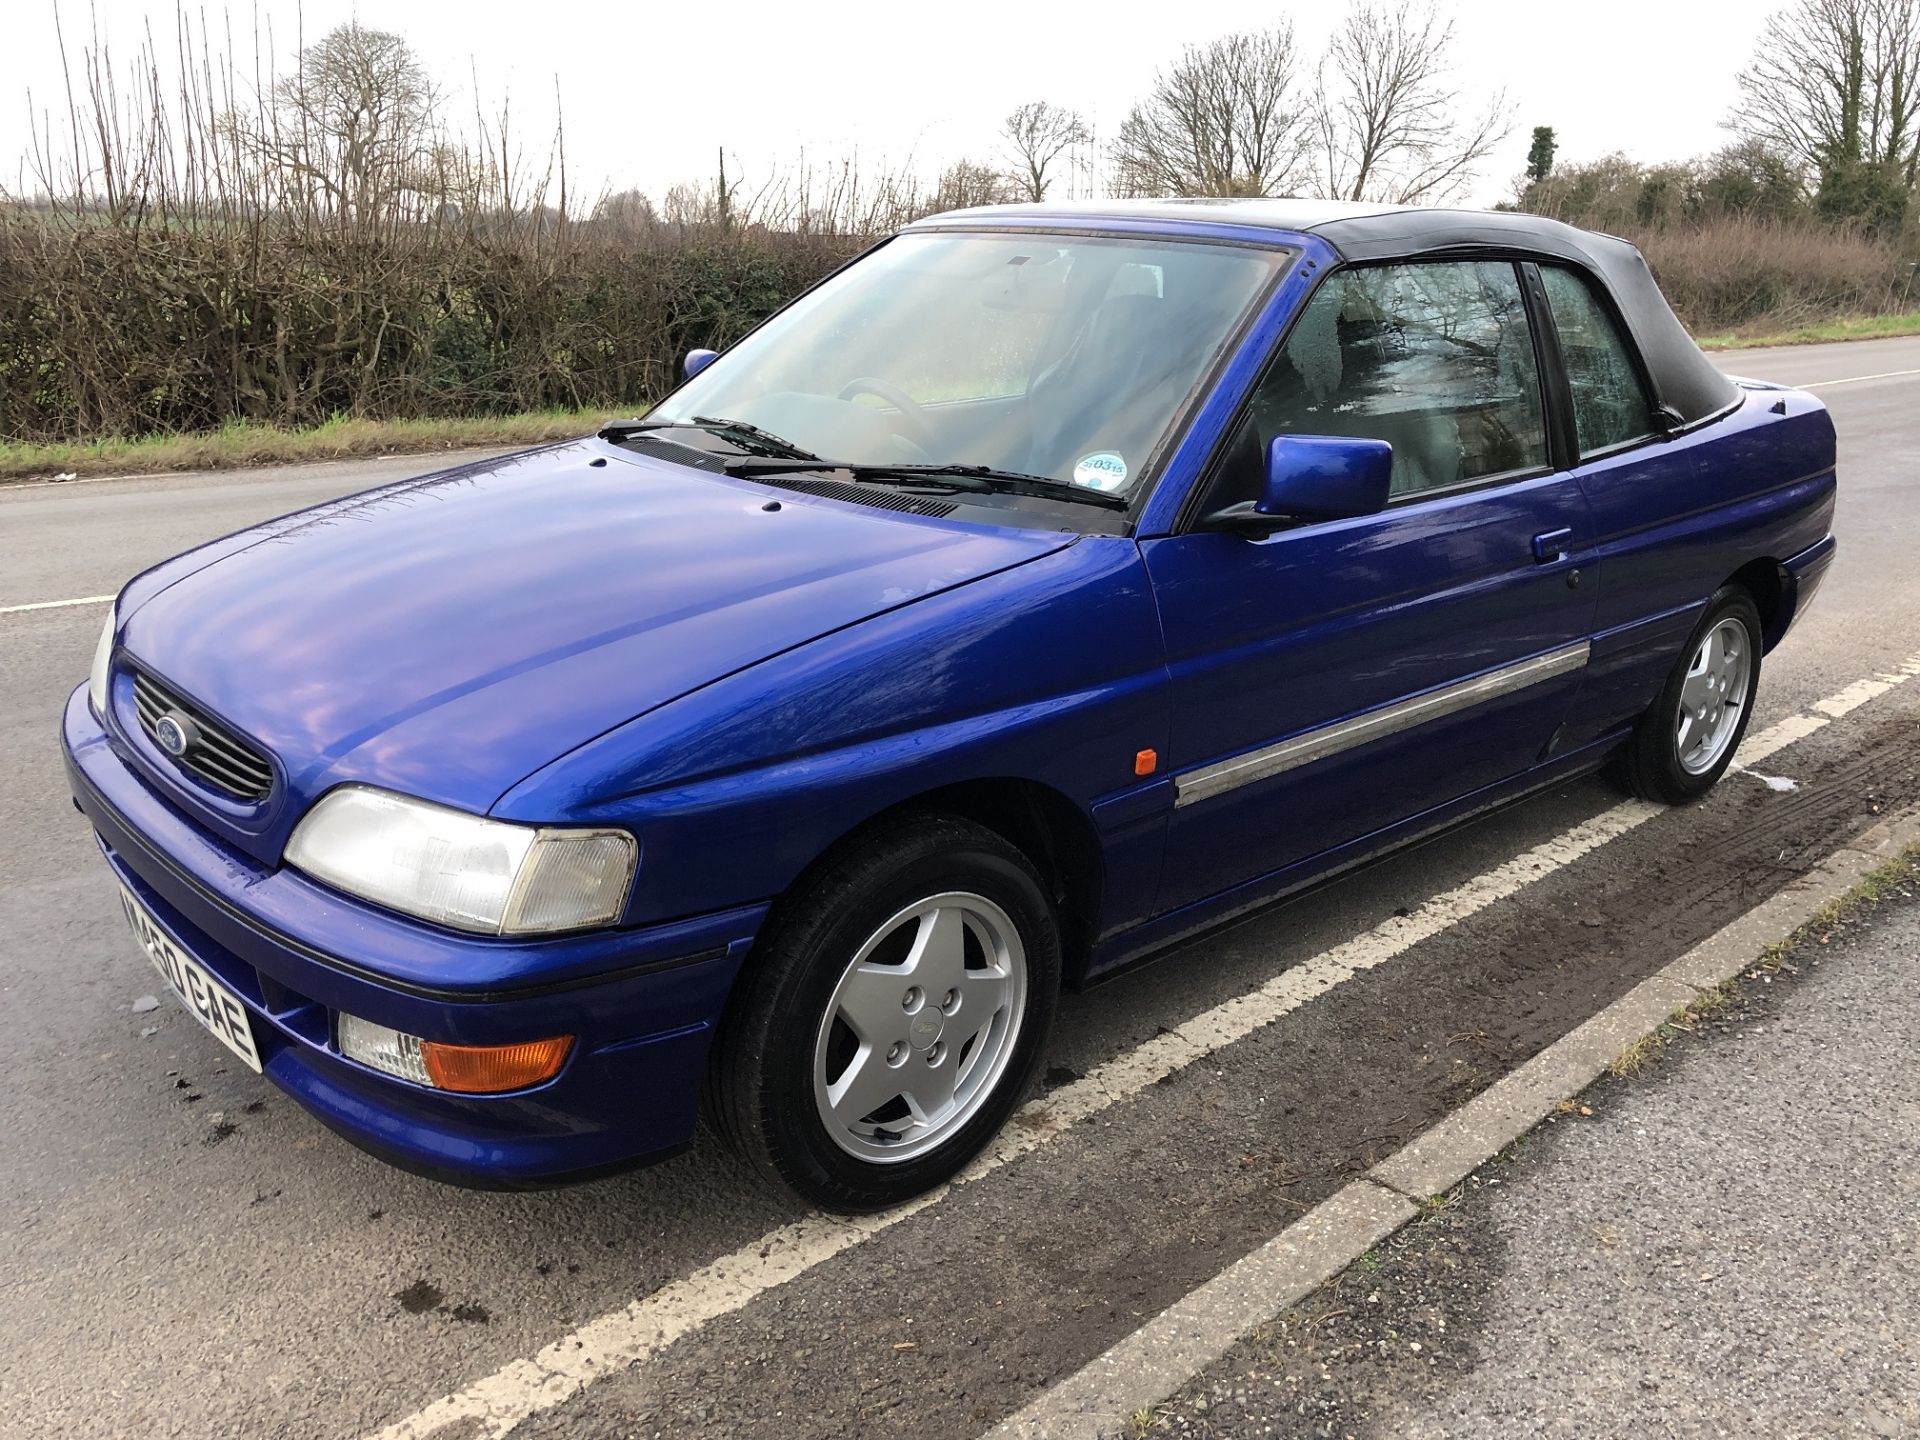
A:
(1557, 389)
(80, 785)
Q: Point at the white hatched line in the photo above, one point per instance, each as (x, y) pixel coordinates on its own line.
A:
(493, 1405)
(1861, 691)
(55, 604)
(1857, 379)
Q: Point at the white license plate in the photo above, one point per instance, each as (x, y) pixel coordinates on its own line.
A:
(206, 998)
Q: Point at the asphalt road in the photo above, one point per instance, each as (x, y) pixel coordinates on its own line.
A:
(163, 1273)
(1597, 1281)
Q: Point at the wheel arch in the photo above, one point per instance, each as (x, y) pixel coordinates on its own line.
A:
(1771, 587)
(1043, 823)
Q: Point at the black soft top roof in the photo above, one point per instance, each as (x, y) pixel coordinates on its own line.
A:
(1683, 378)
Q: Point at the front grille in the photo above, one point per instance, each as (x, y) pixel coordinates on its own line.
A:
(218, 756)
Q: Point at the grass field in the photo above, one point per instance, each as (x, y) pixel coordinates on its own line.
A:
(1851, 327)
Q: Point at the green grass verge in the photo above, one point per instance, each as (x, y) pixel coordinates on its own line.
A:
(242, 444)
(1850, 327)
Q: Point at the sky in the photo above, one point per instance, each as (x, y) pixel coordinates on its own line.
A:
(649, 93)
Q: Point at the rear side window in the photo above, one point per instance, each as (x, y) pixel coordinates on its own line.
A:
(1435, 359)
(1610, 405)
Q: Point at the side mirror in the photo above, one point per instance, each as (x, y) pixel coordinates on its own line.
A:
(696, 361)
(1314, 477)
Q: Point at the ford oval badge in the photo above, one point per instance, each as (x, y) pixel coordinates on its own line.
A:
(174, 734)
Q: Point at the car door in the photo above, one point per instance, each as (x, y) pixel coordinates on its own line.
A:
(1334, 678)
(1652, 548)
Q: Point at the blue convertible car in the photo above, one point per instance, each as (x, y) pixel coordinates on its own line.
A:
(1042, 588)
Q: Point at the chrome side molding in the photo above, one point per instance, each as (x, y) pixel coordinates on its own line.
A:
(1344, 735)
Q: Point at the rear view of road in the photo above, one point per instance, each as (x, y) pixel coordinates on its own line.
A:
(163, 1271)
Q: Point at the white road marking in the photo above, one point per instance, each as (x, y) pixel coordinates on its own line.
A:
(493, 1405)
(55, 604)
(1861, 691)
(1778, 736)
(1857, 379)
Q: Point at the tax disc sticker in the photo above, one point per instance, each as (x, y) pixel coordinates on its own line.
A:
(1103, 470)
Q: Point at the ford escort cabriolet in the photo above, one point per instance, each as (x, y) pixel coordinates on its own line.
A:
(1041, 589)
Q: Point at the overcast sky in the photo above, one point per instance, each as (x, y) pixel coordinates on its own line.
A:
(649, 91)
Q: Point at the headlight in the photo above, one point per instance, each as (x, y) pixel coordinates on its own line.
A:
(462, 870)
(102, 664)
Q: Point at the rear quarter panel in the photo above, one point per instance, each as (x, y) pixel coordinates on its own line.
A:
(1676, 523)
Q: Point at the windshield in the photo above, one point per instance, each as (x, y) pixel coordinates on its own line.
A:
(1060, 356)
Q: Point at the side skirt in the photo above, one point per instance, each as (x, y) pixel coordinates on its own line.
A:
(1154, 939)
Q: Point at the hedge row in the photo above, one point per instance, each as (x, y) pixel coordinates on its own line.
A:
(113, 329)
(118, 329)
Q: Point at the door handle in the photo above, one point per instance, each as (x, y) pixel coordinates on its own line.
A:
(1552, 546)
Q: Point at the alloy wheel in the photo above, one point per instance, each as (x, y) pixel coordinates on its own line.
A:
(1713, 696)
(920, 1028)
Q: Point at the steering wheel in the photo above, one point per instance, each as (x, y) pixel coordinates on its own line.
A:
(913, 420)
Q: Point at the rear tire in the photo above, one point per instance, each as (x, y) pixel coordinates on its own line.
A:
(1686, 740)
(891, 1016)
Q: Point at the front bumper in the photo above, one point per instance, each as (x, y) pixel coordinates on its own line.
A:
(643, 1004)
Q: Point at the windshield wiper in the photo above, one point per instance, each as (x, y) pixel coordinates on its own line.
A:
(981, 478)
(763, 442)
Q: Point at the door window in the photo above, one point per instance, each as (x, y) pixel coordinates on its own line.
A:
(1610, 405)
(1434, 358)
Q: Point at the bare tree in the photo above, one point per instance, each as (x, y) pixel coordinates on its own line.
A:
(1226, 119)
(1391, 122)
(1038, 135)
(689, 204)
(627, 211)
(1835, 84)
(355, 126)
(966, 183)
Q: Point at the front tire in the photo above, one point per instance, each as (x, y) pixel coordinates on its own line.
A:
(892, 1015)
(1685, 741)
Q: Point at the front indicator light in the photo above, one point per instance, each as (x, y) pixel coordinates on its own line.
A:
(465, 1069)
(488, 1069)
